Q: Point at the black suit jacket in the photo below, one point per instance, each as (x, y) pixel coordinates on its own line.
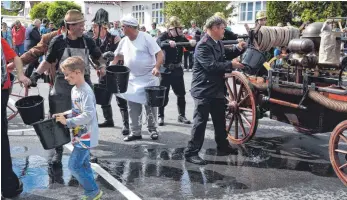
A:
(32, 37)
(210, 65)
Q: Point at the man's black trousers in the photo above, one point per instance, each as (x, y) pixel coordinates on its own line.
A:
(177, 84)
(204, 107)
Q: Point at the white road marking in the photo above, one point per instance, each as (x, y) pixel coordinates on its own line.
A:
(110, 179)
(21, 130)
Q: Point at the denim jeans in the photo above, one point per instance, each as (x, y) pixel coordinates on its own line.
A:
(19, 49)
(80, 168)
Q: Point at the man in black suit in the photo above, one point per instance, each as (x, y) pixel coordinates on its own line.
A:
(210, 65)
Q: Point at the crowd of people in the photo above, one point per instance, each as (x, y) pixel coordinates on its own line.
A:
(154, 59)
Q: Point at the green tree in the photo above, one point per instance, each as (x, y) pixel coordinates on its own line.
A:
(39, 11)
(315, 10)
(7, 12)
(58, 9)
(12, 8)
(199, 11)
(277, 12)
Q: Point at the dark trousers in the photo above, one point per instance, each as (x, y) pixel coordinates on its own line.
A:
(204, 107)
(188, 55)
(122, 104)
(9, 180)
(177, 84)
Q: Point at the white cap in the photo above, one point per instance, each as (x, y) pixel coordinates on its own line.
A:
(129, 20)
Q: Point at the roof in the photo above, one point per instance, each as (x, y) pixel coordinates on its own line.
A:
(103, 2)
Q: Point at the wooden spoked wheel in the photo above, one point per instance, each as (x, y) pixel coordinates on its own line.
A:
(338, 151)
(242, 113)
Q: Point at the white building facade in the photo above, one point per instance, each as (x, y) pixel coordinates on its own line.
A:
(89, 8)
(245, 11)
(146, 12)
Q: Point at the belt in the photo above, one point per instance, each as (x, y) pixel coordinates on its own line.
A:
(172, 66)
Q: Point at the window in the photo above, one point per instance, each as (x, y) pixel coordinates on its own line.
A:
(138, 12)
(248, 10)
(157, 13)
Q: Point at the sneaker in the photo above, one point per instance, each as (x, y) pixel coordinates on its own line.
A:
(183, 120)
(97, 197)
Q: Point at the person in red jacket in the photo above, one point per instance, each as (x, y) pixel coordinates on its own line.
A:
(11, 186)
(18, 36)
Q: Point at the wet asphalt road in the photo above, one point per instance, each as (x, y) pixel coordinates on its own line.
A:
(278, 163)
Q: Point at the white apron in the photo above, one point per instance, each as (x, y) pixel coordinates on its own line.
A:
(141, 62)
(136, 87)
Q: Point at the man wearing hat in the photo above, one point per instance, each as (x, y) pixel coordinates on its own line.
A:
(73, 43)
(173, 73)
(143, 56)
(110, 43)
(261, 18)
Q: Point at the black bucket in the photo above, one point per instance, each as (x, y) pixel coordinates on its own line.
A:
(102, 95)
(31, 109)
(253, 59)
(52, 134)
(117, 77)
(155, 96)
(59, 103)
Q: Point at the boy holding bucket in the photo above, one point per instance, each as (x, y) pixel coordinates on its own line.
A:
(83, 122)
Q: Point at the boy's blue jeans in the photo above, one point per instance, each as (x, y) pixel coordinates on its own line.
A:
(80, 168)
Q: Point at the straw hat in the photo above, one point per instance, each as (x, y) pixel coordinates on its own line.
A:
(73, 17)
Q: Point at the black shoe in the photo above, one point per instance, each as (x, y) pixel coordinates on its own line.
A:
(227, 151)
(161, 121)
(93, 159)
(6, 193)
(196, 160)
(73, 182)
(106, 124)
(132, 137)
(183, 120)
(125, 131)
(56, 160)
(154, 134)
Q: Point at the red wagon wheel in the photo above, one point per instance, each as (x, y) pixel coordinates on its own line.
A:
(338, 151)
(242, 113)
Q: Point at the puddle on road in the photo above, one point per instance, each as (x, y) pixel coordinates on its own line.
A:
(154, 169)
(35, 173)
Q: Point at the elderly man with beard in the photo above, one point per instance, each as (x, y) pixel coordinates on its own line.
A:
(173, 73)
(110, 43)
